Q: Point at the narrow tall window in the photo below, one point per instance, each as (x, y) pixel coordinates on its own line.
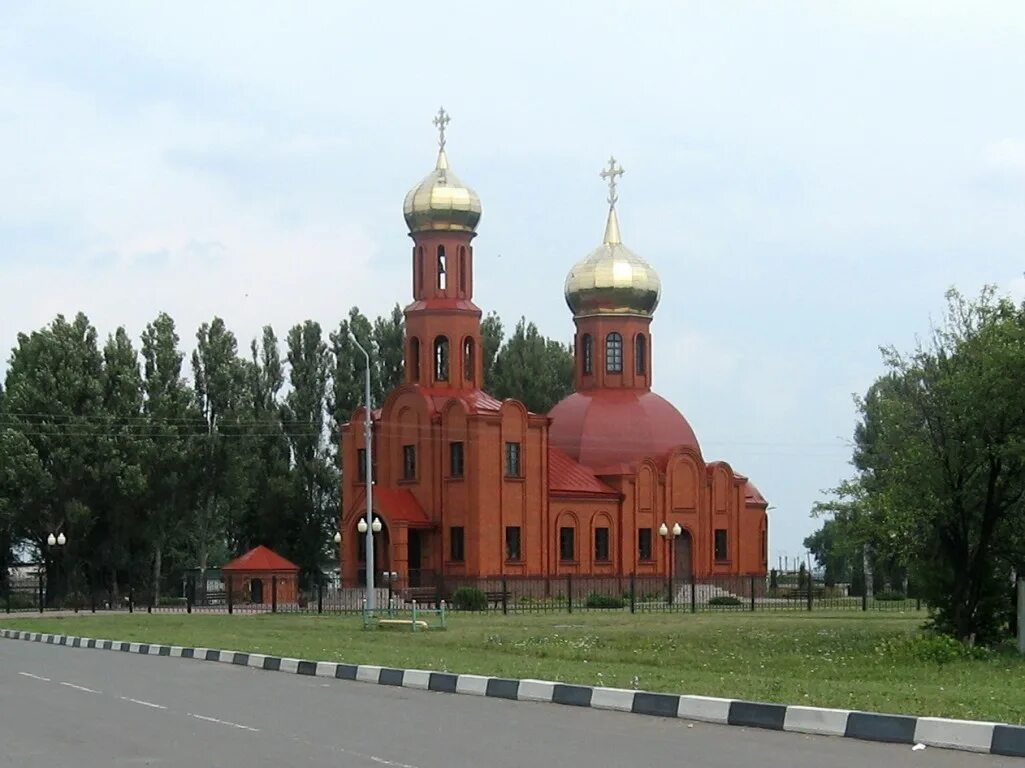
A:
(512, 460)
(418, 277)
(455, 459)
(721, 552)
(442, 269)
(441, 359)
(765, 546)
(462, 271)
(512, 543)
(456, 553)
(644, 544)
(567, 544)
(601, 545)
(587, 353)
(409, 462)
(468, 359)
(614, 353)
(361, 465)
(414, 359)
(640, 355)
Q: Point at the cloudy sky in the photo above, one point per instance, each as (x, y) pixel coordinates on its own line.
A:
(808, 178)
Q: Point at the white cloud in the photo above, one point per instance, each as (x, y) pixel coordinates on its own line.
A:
(1006, 156)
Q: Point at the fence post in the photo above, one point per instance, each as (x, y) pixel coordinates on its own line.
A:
(131, 599)
(320, 595)
(752, 594)
(274, 594)
(7, 596)
(228, 594)
(810, 586)
(190, 590)
(864, 600)
(693, 595)
(505, 597)
(40, 585)
(569, 591)
(633, 592)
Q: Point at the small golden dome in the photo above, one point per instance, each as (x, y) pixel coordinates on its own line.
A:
(441, 202)
(612, 279)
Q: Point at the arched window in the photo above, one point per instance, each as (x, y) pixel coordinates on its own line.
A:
(414, 358)
(614, 353)
(468, 359)
(587, 353)
(441, 358)
(462, 271)
(442, 276)
(640, 355)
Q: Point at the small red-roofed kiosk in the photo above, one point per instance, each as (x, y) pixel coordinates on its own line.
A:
(255, 574)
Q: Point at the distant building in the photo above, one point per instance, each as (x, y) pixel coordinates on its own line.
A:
(466, 485)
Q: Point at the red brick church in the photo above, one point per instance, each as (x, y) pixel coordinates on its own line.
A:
(470, 486)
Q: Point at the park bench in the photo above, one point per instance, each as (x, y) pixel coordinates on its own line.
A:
(416, 618)
(497, 597)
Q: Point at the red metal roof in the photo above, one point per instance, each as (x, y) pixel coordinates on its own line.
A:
(607, 427)
(567, 477)
(399, 505)
(753, 496)
(260, 559)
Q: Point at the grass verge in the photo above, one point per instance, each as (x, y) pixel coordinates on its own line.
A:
(874, 662)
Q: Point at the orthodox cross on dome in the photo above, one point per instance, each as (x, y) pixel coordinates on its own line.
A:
(610, 174)
(440, 121)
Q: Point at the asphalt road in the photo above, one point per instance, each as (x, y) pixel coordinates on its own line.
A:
(84, 708)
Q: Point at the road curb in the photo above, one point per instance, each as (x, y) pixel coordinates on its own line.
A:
(963, 735)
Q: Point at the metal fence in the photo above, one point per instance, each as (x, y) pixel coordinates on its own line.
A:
(499, 594)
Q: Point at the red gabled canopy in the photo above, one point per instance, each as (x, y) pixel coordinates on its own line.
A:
(568, 478)
(260, 559)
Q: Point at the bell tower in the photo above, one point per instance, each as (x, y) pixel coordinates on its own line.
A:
(443, 345)
(613, 294)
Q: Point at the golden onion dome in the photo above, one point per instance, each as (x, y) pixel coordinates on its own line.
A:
(612, 279)
(441, 202)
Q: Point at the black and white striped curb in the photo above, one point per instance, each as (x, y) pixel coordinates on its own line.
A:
(992, 738)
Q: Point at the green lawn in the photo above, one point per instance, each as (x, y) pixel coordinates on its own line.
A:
(878, 662)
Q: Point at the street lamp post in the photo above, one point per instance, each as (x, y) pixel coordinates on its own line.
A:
(367, 525)
(668, 534)
(53, 541)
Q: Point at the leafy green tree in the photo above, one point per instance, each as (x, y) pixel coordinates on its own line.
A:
(54, 400)
(532, 369)
(389, 344)
(941, 457)
(348, 373)
(264, 452)
(304, 412)
(169, 447)
(219, 377)
(118, 536)
(492, 335)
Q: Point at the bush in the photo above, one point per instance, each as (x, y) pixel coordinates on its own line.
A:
(596, 600)
(19, 601)
(891, 596)
(469, 599)
(74, 601)
(932, 647)
(725, 600)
